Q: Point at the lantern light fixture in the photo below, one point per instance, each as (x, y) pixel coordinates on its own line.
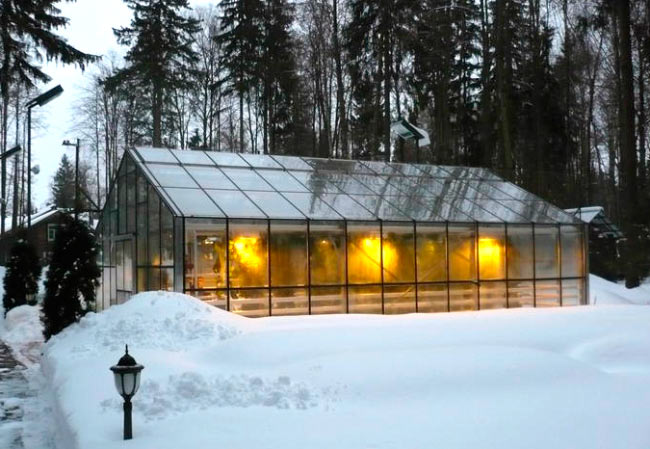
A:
(127, 381)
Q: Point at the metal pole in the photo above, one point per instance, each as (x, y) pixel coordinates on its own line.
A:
(76, 180)
(128, 428)
(29, 167)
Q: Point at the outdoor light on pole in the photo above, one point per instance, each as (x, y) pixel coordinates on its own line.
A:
(41, 100)
(127, 382)
(67, 143)
(406, 130)
(3, 157)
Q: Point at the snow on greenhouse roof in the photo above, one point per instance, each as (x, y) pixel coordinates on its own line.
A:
(221, 184)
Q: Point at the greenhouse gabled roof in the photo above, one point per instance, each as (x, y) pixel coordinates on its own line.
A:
(220, 184)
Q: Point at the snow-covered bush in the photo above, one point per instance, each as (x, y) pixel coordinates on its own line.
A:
(72, 277)
(21, 278)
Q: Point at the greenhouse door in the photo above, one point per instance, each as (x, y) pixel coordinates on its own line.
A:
(125, 268)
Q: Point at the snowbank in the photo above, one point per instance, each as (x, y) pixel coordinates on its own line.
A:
(534, 378)
(22, 332)
(603, 291)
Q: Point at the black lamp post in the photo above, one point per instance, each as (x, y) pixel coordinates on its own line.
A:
(67, 143)
(3, 157)
(127, 382)
(41, 100)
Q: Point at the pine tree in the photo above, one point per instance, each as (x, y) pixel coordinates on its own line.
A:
(72, 277)
(21, 278)
(240, 38)
(62, 187)
(160, 39)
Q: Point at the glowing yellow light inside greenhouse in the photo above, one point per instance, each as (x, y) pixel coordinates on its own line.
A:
(372, 245)
(488, 250)
(247, 250)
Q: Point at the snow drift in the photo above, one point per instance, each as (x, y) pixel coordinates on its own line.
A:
(534, 378)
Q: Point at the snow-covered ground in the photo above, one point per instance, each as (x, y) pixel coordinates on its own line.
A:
(535, 378)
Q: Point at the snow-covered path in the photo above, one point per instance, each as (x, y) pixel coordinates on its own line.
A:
(13, 391)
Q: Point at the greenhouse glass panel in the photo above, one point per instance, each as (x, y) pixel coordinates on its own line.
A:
(171, 176)
(399, 299)
(572, 242)
(326, 300)
(493, 295)
(247, 179)
(167, 279)
(327, 253)
(248, 251)
(260, 161)
(398, 252)
(462, 252)
(288, 253)
(281, 181)
(463, 296)
(289, 301)
(205, 254)
(210, 178)
(223, 159)
(154, 230)
(193, 203)
(433, 298)
(215, 298)
(520, 252)
(364, 299)
(274, 205)
(167, 236)
(431, 252)
(382, 207)
(312, 206)
(156, 155)
(547, 247)
(251, 302)
(572, 292)
(364, 253)
(193, 157)
(292, 163)
(315, 182)
(492, 252)
(347, 207)
(235, 204)
(547, 293)
(521, 294)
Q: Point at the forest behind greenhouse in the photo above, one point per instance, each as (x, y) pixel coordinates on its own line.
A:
(549, 94)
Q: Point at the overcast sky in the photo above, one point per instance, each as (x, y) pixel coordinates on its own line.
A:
(90, 30)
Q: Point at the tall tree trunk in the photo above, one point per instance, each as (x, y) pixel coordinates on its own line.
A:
(387, 76)
(156, 113)
(627, 142)
(340, 93)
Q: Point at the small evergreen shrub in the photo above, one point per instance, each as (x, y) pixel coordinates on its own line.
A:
(21, 278)
(72, 277)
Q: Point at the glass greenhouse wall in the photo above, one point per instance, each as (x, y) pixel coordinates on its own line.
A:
(273, 235)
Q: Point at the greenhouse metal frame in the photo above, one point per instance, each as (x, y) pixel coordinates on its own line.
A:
(267, 235)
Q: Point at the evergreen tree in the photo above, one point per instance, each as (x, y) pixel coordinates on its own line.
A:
(240, 39)
(62, 187)
(21, 278)
(160, 39)
(72, 277)
(277, 73)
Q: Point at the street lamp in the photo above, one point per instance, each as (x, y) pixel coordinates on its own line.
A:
(3, 157)
(127, 382)
(41, 100)
(406, 130)
(67, 143)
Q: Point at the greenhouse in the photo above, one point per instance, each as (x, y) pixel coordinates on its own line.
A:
(264, 235)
